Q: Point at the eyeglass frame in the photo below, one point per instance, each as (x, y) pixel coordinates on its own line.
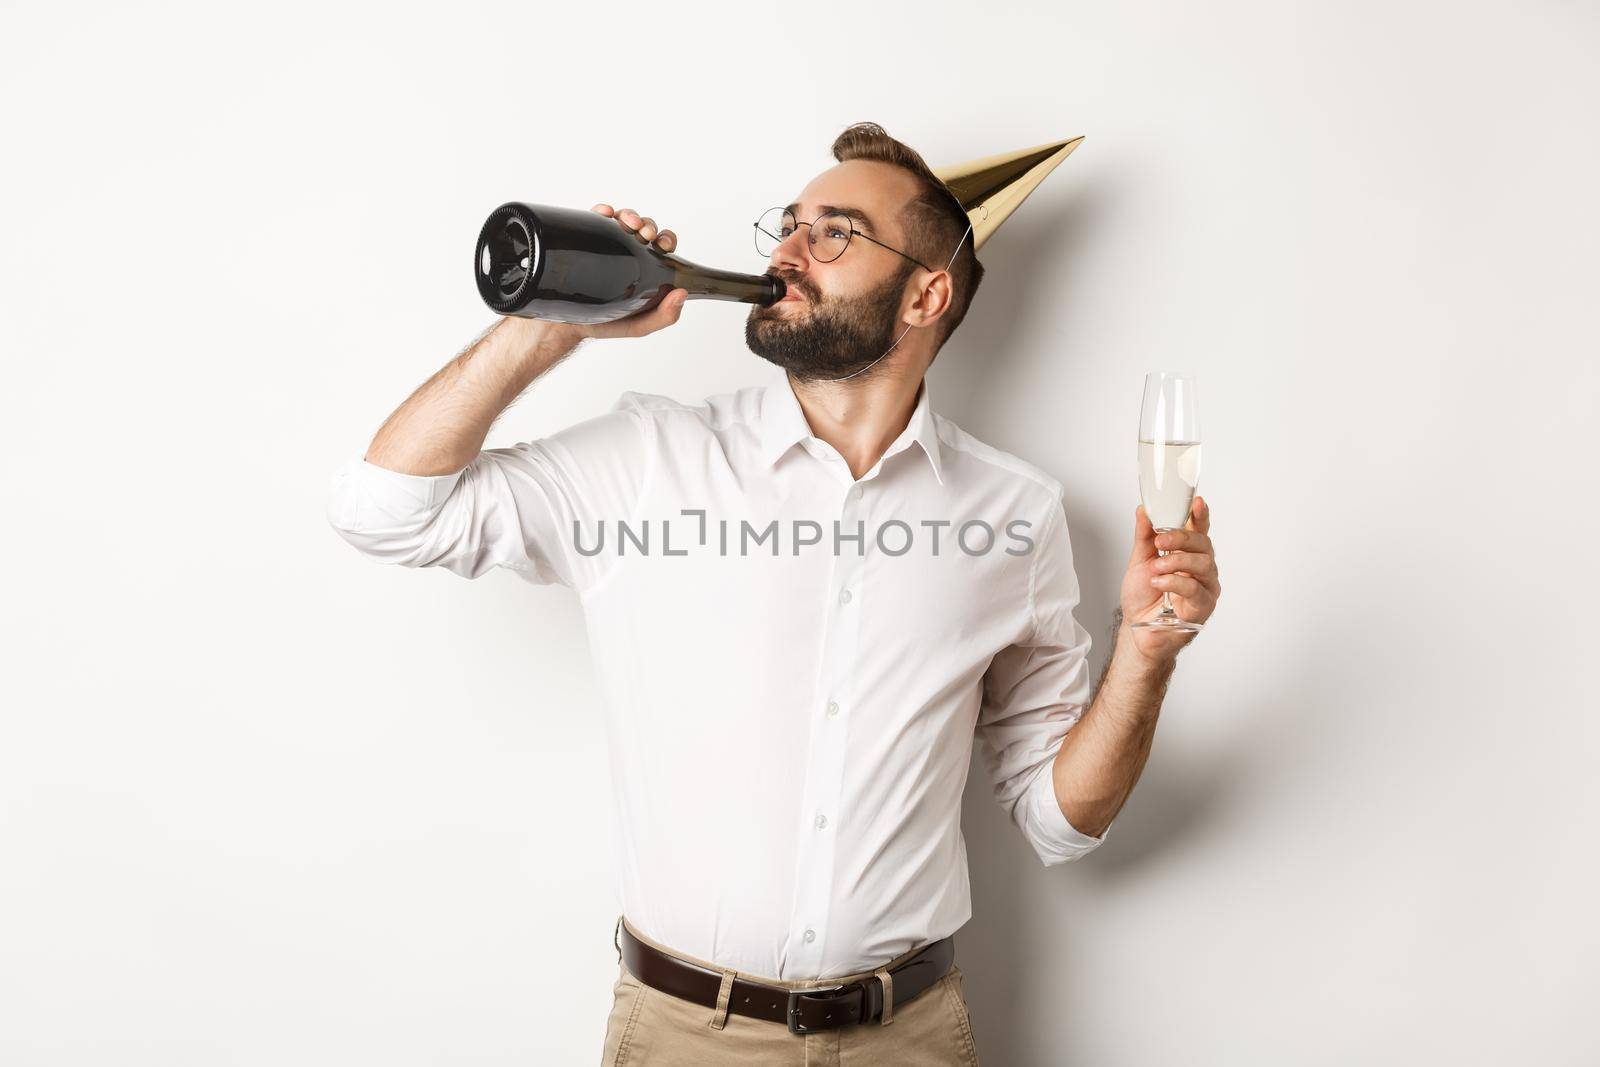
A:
(810, 239)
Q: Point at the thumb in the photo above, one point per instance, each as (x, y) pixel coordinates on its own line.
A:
(1144, 537)
(664, 314)
(672, 306)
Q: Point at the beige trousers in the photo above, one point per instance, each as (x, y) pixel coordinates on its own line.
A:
(649, 1028)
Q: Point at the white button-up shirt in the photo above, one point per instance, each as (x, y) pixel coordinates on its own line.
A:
(794, 663)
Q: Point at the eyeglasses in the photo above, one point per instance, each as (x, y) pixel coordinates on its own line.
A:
(828, 236)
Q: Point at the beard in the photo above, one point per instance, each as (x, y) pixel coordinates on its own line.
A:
(828, 337)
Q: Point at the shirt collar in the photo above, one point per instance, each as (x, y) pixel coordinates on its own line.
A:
(783, 423)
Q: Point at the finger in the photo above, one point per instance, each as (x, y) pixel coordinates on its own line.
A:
(1183, 541)
(1179, 585)
(629, 218)
(604, 209)
(1144, 543)
(647, 229)
(1200, 515)
(1195, 564)
(667, 240)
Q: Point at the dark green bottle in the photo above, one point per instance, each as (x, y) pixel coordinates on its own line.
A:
(566, 265)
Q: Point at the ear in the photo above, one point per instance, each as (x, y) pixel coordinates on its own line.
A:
(933, 297)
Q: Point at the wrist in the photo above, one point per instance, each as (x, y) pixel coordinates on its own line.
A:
(534, 335)
(1130, 659)
(535, 346)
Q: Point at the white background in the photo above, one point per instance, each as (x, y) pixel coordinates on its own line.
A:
(264, 801)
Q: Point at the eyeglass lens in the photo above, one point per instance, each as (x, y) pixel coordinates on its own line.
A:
(830, 234)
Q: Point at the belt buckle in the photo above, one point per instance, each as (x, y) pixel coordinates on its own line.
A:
(824, 993)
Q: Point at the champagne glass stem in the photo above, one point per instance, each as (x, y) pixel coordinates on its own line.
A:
(1166, 594)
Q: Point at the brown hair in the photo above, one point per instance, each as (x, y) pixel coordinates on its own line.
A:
(933, 219)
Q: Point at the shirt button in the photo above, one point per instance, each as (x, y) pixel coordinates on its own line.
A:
(833, 707)
(822, 822)
(811, 935)
(844, 597)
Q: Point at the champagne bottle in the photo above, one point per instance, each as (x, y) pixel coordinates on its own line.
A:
(573, 266)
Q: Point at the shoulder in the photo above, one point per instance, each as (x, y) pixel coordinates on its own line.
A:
(997, 465)
(716, 412)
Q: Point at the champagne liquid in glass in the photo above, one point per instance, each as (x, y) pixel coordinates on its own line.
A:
(1168, 475)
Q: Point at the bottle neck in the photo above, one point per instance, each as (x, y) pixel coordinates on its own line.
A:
(711, 284)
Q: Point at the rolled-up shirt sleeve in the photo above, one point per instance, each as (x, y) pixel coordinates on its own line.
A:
(528, 507)
(1034, 692)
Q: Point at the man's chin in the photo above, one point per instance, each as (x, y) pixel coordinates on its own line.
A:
(773, 348)
(766, 323)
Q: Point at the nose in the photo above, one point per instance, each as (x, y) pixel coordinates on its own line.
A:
(794, 251)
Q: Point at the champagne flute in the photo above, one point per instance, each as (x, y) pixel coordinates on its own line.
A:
(1169, 469)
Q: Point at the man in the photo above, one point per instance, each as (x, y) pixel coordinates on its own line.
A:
(805, 601)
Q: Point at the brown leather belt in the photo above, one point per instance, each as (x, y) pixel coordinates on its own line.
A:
(803, 1010)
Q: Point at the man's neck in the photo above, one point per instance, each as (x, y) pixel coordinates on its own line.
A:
(862, 419)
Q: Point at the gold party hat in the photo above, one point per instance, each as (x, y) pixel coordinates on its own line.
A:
(990, 189)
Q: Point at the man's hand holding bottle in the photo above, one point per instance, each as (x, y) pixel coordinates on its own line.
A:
(663, 314)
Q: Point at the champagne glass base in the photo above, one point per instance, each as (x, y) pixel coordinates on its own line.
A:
(1170, 623)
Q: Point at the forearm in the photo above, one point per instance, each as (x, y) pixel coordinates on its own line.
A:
(1104, 753)
(442, 426)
